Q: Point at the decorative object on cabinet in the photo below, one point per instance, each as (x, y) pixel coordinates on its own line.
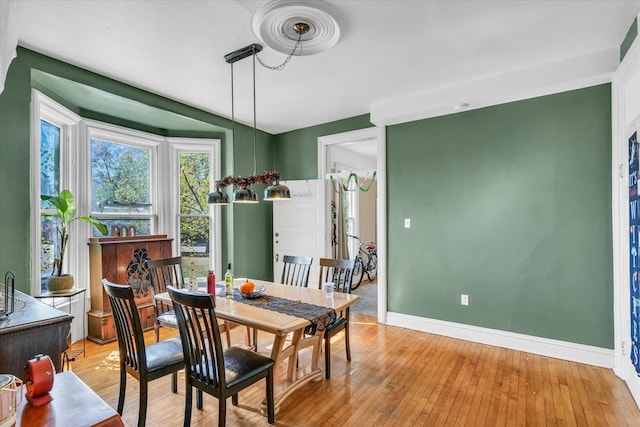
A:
(122, 260)
(66, 208)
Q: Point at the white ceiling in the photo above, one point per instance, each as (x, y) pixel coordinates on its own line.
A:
(396, 59)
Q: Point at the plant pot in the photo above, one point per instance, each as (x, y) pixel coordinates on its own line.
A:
(60, 283)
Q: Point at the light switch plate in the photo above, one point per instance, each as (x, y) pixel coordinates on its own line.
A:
(407, 223)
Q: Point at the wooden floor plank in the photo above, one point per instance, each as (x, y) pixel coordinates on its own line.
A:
(398, 377)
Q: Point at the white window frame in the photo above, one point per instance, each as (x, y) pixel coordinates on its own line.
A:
(44, 108)
(211, 147)
(120, 135)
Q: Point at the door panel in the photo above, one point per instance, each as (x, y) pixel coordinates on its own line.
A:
(298, 227)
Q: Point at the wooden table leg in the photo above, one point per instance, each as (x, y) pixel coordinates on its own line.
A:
(281, 352)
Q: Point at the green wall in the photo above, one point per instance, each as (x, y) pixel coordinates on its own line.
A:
(631, 35)
(246, 230)
(508, 204)
(296, 152)
(512, 206)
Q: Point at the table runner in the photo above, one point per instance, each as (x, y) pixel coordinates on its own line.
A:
(320, 317)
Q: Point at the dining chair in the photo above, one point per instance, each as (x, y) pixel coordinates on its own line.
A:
(209, 368)
(168, 272)
(340, 272)
(295, 270)
(144, 363)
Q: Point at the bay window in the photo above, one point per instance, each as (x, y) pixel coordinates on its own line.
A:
(134, 182)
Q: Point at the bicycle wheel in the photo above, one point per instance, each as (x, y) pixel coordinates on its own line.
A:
(358, 272)
(372, 267)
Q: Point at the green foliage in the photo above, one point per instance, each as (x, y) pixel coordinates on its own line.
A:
(66, 209)
(194, 187)
(119, 173)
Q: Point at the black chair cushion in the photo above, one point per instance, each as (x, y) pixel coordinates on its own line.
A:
(241, 364)
(335, 326)
(164, 353)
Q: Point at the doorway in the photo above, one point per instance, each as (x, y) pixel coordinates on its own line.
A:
(361, 155)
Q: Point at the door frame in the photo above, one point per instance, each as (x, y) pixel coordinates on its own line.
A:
(376, 135)
(625, 120)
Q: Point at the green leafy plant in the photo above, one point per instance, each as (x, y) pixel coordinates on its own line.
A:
(66, 207)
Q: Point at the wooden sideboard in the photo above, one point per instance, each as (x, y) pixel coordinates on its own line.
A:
(33, 328)
(122, 260)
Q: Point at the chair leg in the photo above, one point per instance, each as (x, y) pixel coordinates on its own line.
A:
(199, 399)
(227, 331)
(271, 413)
(156, 330)
(174, 382)
(248, 337)
(188, 395)
(142, 409)
(255, 340)
(222, 412)
(327, 357)
(346, 340)
(123, 389)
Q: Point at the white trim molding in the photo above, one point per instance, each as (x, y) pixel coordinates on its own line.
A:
(564, 350)
(377, 135)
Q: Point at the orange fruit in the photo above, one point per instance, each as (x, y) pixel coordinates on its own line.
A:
(247, 287)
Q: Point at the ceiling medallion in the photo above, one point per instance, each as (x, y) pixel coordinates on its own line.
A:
(274, 24)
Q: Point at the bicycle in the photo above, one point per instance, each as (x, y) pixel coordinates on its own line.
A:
(366, 262)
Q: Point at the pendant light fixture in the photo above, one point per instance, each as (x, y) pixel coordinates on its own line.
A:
(244, 192)
(282, 25)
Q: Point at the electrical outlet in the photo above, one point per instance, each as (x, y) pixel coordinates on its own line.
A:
(407, 223)
(464, 299)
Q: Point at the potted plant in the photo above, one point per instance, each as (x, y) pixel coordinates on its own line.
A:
(66, 207)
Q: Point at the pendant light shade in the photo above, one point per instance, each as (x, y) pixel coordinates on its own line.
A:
(217, 198)
(245, 195)
(277, 192)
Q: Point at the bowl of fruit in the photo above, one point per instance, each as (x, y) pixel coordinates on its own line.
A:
(249, 290)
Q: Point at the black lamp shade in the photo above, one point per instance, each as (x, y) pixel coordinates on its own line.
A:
(217, 198)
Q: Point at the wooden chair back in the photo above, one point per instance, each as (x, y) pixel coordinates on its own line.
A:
(200, 336)
(166, 272)
(295, 270)
(338, 271)
(128, 327)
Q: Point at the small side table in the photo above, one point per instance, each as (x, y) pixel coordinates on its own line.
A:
(69, 295)
(73, 404)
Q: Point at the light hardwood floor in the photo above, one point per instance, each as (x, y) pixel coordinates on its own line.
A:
(399, 377)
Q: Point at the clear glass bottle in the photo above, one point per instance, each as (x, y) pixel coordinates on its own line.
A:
(228, 282)
(193, 280)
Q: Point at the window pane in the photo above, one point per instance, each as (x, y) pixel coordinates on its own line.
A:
(120, 178)
(48, 244)
(194, 243)
(194, 183)
(49, 159)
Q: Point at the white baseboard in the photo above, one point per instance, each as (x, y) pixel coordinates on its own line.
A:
(580, 353)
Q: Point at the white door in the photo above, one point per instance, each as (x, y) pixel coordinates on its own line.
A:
(298, 226)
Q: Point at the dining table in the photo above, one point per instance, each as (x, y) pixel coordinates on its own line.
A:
(293, 330)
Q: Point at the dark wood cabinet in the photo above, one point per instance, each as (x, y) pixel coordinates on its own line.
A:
(122, 260)
(33, 328)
